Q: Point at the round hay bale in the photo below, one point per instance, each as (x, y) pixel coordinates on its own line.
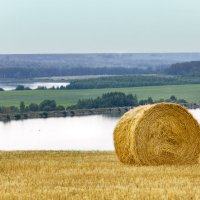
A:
(164, 133)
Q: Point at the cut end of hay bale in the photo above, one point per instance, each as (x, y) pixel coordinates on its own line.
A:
(164, 133)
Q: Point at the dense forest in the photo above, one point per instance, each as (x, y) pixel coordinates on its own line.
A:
(118, 99)
(132, 60)
(130, 81)
(120, 82)
(185, 69)
(46, 65)
(31, 72)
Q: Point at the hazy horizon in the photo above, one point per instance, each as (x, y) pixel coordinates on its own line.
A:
(99, 53)
(94, 26)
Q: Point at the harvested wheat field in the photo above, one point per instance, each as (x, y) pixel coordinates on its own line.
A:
(92, 175)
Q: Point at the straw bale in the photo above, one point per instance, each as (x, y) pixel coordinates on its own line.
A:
(163, 133)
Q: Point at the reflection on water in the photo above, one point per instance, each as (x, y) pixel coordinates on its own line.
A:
(196, 114)
(12, 86)
(70, 133)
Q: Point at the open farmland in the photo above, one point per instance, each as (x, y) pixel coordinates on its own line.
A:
(191, 93)
(91, 175)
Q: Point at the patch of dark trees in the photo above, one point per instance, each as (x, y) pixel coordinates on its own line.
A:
(119, 99)
(107, 100)
(46, 105)
(129, 81)
(185, 69)
(121, 81)
(32, 72)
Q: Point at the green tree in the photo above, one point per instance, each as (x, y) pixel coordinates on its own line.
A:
(173, 98)
(60, 108)
(47, 105)
(150, 100)
(135, 100)
(21, 87)
(33, 107)
(22, 106)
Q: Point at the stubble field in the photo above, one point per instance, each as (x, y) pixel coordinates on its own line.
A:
(91, 175)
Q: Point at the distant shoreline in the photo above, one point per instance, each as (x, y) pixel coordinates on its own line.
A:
(115, 111)
(69, 113)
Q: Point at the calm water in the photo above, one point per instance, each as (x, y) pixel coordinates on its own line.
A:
(12, 86)
(70, 133)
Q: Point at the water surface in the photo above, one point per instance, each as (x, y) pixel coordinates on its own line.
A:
(70, 133)
(35, 85)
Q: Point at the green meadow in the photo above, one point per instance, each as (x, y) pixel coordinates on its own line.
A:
(191, 93)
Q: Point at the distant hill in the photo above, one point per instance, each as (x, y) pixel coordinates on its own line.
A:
(97, 60)
(185, 69)
(38, 65)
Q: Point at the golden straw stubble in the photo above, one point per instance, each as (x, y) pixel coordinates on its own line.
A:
(163, 133)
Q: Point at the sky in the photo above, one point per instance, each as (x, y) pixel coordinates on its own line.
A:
(97, 26)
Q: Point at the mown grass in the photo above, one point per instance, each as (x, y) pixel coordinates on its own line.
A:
(91, 175)
(68, 97)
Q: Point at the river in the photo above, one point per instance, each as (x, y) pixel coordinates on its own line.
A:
(34, 85)
(70, 133)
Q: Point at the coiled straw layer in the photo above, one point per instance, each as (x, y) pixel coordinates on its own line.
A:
(157, 134)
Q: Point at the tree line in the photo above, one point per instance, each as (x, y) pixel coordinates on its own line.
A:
(46, 105)
(32, 72)
(120, 82)
(107, 100)
(129, 81)
(185, 69)
(119, 99)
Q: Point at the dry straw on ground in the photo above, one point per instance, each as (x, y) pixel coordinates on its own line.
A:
(163, 133)
(64, 175)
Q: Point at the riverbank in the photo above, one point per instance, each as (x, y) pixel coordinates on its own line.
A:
(91, 175)
(79, 112)
(68, 113)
